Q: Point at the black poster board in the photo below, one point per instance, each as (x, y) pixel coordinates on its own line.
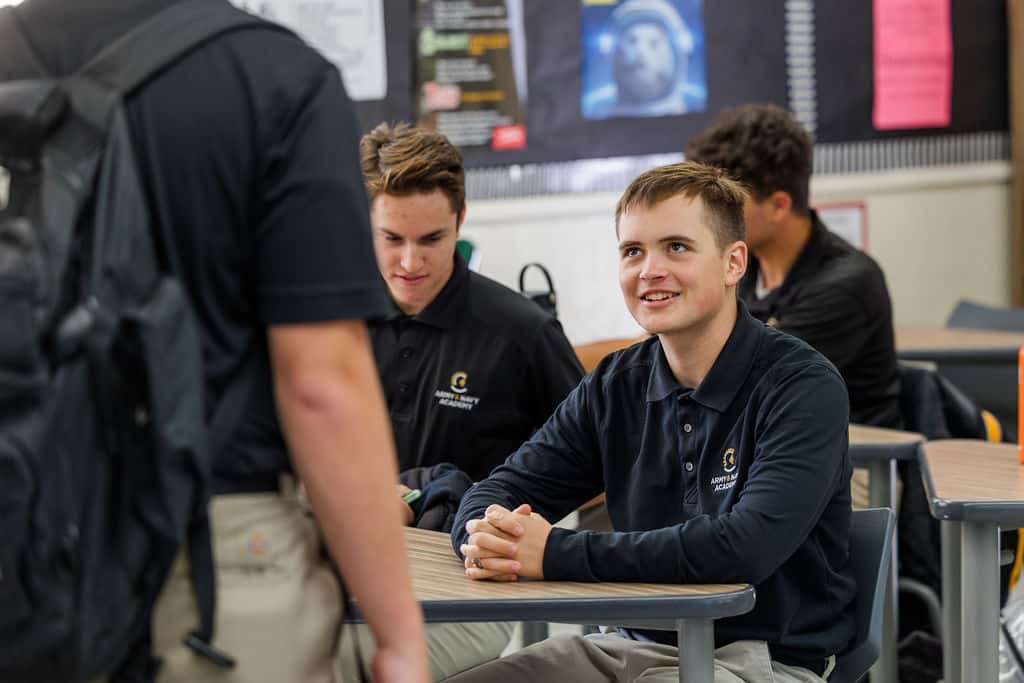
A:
(845, 77)
(745, 56)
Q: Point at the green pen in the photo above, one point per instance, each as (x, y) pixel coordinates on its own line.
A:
(411, 496)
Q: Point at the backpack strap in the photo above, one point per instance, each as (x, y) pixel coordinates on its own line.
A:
(157, 43)
(11, 33)
(226, 419)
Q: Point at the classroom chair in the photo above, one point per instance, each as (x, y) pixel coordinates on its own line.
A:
(871, 533)
(591, 354)
(993, 386)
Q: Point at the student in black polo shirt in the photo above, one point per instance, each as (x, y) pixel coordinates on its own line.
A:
(721, 444)
(470, 368)
(803, 279)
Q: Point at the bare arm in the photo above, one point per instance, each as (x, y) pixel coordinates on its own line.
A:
(332, 412)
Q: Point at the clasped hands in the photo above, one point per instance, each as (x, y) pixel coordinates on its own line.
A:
(507, 543)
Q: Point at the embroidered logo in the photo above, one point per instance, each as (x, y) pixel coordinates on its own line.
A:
(460, 382)
(726, 481)
(729, 460)
(456, 394)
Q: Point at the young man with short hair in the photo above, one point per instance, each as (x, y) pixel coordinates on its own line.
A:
(803, 279)
(470, 368)
(721, 445)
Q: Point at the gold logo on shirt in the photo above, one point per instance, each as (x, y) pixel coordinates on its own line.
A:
(729, 460)
(772, 322)
(457, 397)
(460, 382)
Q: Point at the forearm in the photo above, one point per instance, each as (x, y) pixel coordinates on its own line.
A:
(342, 448)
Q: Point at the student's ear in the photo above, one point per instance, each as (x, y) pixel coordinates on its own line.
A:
(735, 262)
(781, 204)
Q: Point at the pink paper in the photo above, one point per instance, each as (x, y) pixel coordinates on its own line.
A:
(913, 63)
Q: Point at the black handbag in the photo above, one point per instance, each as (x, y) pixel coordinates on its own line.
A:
(546, 299)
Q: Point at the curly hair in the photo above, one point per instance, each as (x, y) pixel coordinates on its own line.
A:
(722, 197)
(401, 159)
(764, 147)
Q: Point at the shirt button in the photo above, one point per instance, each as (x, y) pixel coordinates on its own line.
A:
(403, 387)
(689, 467)
(687, 427)
(407, 352)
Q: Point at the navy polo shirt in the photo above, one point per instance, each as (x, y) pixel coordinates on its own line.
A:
(744, 478)
(473, 375)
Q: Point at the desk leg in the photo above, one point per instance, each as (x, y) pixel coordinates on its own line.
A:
(696, 650)
(882, 493)
(952, 617)
(980, 602)
(534, 632)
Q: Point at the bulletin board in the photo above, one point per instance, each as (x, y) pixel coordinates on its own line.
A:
(844, 52)
(748, 53)
(744, 52)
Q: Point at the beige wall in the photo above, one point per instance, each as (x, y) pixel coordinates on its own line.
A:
(940, 234)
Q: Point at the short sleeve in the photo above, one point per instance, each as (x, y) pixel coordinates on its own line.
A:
(314, 249)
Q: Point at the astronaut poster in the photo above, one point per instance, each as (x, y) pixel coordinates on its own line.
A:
(471, 68)
(642, 58)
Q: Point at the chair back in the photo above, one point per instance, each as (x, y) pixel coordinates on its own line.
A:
(992, 386)
(591, 354)
(871, 534)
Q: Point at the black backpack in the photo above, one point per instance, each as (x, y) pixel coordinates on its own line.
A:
(105, 447)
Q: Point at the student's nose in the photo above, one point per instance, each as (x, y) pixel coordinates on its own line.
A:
(411, 259)
(652, 267)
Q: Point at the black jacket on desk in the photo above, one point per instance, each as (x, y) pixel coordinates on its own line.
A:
(745, 479)
(835, 299)
(473, 375)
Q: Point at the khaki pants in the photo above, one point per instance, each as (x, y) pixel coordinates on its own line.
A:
(278, 601)
(451, 648)
(603, 658)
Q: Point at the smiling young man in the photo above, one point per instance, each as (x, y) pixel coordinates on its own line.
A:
(470, 368)
(721, 445)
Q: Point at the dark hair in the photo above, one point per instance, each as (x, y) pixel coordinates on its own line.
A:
(722, 197)
(764, 147)
(402, 159)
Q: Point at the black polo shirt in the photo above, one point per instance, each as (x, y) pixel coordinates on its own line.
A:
(744, 479)
(248, 150)
(835, 299)
(473, 375)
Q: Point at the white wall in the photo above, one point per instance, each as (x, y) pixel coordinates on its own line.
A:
(940, 234)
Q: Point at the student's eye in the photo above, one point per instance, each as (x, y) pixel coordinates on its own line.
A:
(392, 238)
(677, 247)
(630, 252)
(432, 239)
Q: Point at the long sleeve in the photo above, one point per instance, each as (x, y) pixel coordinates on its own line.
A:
(556, 471)
(800, 458)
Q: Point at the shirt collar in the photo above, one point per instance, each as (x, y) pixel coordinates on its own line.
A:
(727, 374)
(446, 308)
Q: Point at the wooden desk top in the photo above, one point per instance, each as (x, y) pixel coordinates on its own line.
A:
(862, 434)
(919, 342)
(440, 584)
(875, 444)
(973, 480)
